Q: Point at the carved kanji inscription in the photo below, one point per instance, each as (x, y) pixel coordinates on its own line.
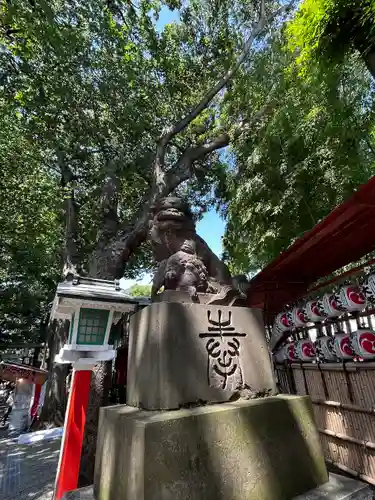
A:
(223, 349)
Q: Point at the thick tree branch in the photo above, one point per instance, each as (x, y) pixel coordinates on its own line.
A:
(108, 262)
(109, 203)
(209, 96)
(70, 251)
(181, 170)
(158, 166)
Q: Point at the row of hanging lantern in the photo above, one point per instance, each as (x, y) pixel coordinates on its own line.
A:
(328, 311)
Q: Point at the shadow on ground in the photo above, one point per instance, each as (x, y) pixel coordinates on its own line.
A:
(28, 471)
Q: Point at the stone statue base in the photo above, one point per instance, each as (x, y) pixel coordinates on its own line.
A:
(266, 449)
(183, 297)
(338, 487)
(183, 354)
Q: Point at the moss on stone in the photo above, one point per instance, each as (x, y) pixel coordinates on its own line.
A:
(265, 449)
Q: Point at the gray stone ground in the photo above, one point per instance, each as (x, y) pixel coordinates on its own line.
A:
(27, 472)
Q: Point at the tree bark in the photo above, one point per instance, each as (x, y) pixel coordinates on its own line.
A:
(70, 251)
(109, 203)
(56, 399)
(108, 261)
(369, 59)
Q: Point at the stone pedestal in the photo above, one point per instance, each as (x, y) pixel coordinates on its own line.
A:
(265, 449)
(181, 354)
(337, 488)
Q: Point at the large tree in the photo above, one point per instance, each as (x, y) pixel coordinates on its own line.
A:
(312, 150)
(125, 114)
(326, 31)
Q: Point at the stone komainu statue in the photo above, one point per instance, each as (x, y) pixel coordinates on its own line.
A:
(185, 260)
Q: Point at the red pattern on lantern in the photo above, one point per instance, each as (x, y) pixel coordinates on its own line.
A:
(315, 309)
(333, 303)
(301, 316)
(356, 295)
(291, 352)
(284, 320)
(346, 347)
(308, 350)
(367, 342)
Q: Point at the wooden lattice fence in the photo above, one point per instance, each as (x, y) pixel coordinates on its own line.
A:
(343, 397)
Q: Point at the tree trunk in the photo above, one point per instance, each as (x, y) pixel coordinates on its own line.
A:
(369, 59)
(109, 259)
(101, 266)
(114, 250)
(56, 396)
(43, 337)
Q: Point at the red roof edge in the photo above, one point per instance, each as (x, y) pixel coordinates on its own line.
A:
(345, 221)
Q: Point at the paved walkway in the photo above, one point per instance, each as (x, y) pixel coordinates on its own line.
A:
(27, 472)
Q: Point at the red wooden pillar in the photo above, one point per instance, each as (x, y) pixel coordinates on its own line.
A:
(35, 401)
(74, 428)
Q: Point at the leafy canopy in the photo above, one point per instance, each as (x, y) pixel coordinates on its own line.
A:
(30, 233)
(324, 31)
(138, 290)
(314, 148)
(87, 89)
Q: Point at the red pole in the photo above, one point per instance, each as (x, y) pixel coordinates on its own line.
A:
(74, 428)
(35, 401)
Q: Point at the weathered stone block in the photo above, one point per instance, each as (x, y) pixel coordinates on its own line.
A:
(265, 449)
(181, 353)
(337, 488)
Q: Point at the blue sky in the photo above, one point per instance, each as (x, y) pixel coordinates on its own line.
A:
(166, 16)
(211, 227)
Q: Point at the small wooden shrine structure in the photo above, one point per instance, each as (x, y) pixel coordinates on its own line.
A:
(15, 371)
(28, 387)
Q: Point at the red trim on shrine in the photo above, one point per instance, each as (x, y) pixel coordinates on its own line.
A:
(15, 371)
(344, 236)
